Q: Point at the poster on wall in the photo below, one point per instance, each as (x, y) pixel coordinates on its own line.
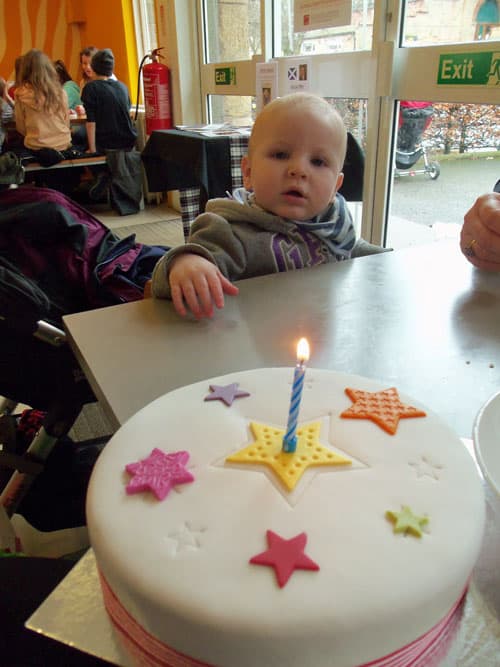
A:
(314, 14)
(266, 83)
(298, 75)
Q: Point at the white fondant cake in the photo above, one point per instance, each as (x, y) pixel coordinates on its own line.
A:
(178, 570)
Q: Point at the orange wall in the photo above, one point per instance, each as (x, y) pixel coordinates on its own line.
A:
(62, 27)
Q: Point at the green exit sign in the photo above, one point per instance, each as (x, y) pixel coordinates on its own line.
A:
(225, 76)
(469, 69)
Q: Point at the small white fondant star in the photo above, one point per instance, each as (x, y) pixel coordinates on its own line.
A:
(186, 538)
(425, 467)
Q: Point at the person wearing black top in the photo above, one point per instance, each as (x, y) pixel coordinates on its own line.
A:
(107, 105)
(111, 131)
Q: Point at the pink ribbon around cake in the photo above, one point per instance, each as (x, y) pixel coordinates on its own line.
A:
(147, 651)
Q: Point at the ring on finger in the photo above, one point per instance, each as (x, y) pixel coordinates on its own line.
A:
(469, 249)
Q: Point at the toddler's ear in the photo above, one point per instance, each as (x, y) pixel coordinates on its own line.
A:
(340, 180)
(246, 172)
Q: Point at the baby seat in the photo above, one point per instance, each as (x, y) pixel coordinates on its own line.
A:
(55, 259)
(414, 119)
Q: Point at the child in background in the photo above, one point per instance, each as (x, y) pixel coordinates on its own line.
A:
(41, 108)
(110, 130)
(71, 87)
(78, 132)
(11, 86)
(85, 63)
(6, 111)
(107, 104)
(86, 55)
(288, 216)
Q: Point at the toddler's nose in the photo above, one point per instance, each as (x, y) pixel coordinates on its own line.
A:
(297, 168)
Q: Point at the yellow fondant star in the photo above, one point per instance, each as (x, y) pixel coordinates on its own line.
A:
(267, 450)
(407, 522)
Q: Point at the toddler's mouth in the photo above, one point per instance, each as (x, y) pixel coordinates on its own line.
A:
(296, 194)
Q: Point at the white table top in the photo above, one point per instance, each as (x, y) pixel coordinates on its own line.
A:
(421, 319)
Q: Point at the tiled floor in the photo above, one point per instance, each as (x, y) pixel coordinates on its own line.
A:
(155, 225)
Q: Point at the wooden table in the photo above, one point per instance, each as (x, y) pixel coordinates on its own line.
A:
(421, 319)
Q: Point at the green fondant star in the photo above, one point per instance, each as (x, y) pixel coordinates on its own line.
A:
(407, 522)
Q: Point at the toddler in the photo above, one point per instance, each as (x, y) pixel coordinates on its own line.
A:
(288, 216)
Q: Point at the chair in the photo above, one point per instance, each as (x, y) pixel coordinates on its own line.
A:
(352, 190)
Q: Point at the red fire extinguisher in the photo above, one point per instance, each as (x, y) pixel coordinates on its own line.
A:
(157, 100)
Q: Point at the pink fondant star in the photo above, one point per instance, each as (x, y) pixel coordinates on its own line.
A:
(285, 556)
(226, 393)
(158, 473)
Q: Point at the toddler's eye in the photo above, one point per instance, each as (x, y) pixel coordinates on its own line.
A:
(318, 162)
(280, 155)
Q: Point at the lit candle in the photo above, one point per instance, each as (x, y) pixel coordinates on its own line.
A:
(290, 437)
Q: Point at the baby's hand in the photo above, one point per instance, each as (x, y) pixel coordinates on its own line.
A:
(197, 283)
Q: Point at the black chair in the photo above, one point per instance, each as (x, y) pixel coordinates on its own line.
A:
(352, 190)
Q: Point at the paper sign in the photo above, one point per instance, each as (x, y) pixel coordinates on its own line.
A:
(298, 75)
(314, 14)
(266, 83)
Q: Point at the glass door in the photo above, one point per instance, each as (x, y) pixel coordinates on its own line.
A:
(446, 134)
(411, 52)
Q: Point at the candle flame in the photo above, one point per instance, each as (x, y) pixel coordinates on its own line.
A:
(302, 350)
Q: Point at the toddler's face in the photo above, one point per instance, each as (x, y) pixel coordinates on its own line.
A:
(295, 162)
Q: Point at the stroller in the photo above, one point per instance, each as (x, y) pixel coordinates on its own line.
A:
(55, 259)
(414, 119)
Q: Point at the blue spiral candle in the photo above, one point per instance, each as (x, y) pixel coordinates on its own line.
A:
(290, 437)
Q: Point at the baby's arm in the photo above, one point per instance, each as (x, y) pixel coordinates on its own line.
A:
(197, 283)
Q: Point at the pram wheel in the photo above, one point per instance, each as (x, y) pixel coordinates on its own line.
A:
(433, 170)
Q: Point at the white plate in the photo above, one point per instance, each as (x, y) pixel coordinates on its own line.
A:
(486, 436)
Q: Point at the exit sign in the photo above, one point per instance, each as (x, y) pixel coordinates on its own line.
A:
(469, 69)
(225, 76)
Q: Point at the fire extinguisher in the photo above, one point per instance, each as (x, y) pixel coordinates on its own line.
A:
(157, 96)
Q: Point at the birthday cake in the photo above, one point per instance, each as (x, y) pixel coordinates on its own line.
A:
(216, 547)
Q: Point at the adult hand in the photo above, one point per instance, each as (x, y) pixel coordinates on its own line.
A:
(480, 236)
(197, 283)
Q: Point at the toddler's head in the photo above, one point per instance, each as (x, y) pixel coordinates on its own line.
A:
(295, 156)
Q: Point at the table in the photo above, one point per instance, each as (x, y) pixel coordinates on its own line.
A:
(422, 319)
(200, 165)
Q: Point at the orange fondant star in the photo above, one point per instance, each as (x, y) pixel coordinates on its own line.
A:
(382, 407)
(267, 449)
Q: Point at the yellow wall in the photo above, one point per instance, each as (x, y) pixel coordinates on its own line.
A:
(61, 28)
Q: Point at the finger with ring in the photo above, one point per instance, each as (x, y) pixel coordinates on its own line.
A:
(469, 249)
